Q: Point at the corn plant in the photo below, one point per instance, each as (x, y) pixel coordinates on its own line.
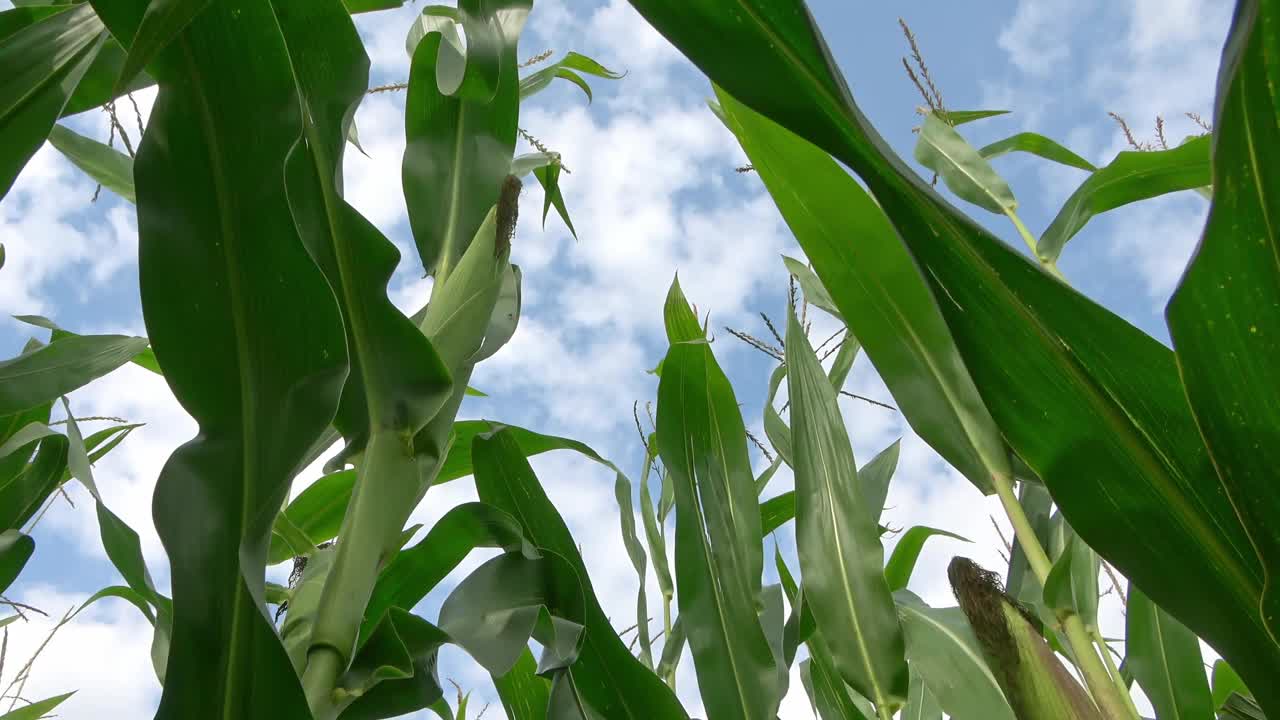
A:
(265, 299)
(264, 296)
(1155, 456)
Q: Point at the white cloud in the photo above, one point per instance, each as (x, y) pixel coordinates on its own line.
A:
(103, 655)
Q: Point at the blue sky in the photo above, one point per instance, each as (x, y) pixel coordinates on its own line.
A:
(652, 191)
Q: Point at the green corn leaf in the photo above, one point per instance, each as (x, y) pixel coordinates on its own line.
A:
(14, 457)
(144, 359)
(1073, 582)
(1036, 144)
(68, 363)
(1164, 657)
(718, 549)
(568, 68)
(897, 573)
(818, 673)
(120, 541)
(36, 710)
(965, 172)
(841, 558)
(921, 704)
(505, 317)
(460, 143)
(496, 609)
(614, 682)
(319, 509)
(886, 304)
(107, 166)
(1021, 582)
(549, 178)
(653, 530)
(524, 694)
(415, 571)
(812, 287)
(639, 562)
(15, 549)
(443, 19)
(24, 437)
(398, 380)
(265, 370)
(364, 6)
(875, 476)
(1239, 707)
(775, 428)
(960, 117)
(1110, 435)
(163, 21)
(22, 494)
(47, 59)
(1131, 177)
(411, 644)
(1226, 682)
(1224, 318)
(946, 656)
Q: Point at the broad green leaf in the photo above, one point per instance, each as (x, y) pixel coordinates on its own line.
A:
(319, 509)
(163, 22)
(1094, 407)
(945, 654)
(549, 178)
(259, 363)
(812, 287)
(398, 381)
(1225, 315)
(46, 60)
(965, 172)
(495, 610)
(921, 704)
(884, 301)
(63, 365)
(841, 559)
(22, 494)
(420, 642)
(718, 549)
(107, 166)
(614, 682)
(567, 68)
(1239, 707)
(26, 435)
(523, 693)
(36, 710)
(459, 146)
(1036, 144)
(415, 571)
(1164, 657)
(897, 573)
(15, 549)
(835, 705)
(1132, 176)
(1226, 682)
